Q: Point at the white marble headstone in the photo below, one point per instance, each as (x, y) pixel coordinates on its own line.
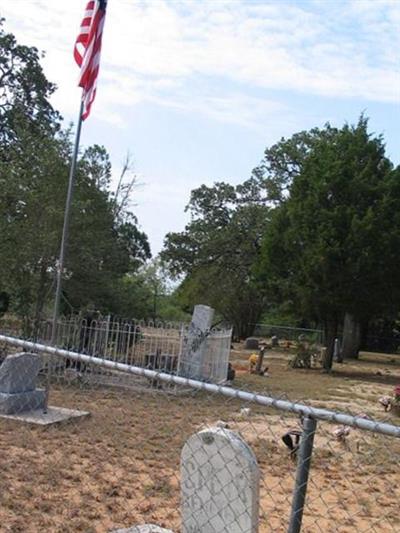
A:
(202, 317)
(192, 359)
(220, 481)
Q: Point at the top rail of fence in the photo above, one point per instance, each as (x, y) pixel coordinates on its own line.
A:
(288, 328)
(288, 332)
(269, 401)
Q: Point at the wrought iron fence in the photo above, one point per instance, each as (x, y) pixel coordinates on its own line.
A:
(148, 344)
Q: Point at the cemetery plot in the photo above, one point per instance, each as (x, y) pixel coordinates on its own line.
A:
(122, 466)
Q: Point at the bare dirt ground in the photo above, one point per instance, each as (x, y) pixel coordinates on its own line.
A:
(120, 467)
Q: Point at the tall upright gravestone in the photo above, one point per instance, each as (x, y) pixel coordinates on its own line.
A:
(194, 343)
(219, 484)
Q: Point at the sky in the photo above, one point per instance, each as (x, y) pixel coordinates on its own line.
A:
(196, 90)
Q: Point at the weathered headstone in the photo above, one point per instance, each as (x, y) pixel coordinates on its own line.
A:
(251, 343)
(219, 484)
(18, 375)
(194, 345)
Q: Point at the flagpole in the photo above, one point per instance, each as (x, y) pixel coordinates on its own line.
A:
(63, 247)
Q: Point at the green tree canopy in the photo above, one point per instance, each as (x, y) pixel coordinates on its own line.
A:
(216, 252)
(332, 243)
(24, 91)
(105, 242)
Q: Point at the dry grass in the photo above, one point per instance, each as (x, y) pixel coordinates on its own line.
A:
(121, 466)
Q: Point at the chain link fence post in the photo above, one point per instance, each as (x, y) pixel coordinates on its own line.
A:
(303, 469)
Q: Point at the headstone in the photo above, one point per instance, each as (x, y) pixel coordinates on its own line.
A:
(19, 372)
(219, 484)
(216, 357)
(194, 344)
(18, 375)
(146, 528)
(251, 343)
(274, 341)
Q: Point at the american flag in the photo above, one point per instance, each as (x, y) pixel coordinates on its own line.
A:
(87, 51)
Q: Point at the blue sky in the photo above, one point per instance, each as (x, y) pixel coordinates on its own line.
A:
(196, 90)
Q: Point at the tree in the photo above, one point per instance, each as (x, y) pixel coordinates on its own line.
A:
(103, 246)
(105, 242)
(28, 152)
(217, 251)
(148, 294)
(32, 191)
(24, 92)
(324, 250)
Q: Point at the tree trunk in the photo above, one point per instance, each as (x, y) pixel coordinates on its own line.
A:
(260, 360)
(245, 329)
(40, 300)
(351, 337)
(330, 336)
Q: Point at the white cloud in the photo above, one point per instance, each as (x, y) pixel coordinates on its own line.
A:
(155, 51)
(229, 108)
(239, 63)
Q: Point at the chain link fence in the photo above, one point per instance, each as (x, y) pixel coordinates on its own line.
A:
(210, 458)
(288, 333)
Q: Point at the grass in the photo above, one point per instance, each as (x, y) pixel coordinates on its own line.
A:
(120, 467)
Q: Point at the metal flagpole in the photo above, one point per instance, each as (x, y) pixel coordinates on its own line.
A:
(64, 239)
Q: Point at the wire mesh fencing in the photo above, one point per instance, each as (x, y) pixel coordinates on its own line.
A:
(211, 458)
(287, 333)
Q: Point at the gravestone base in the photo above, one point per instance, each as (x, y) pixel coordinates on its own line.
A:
(19, 402)
(54, 415)
(145, 528)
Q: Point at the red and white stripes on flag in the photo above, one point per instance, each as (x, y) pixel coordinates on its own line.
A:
(87, 51)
